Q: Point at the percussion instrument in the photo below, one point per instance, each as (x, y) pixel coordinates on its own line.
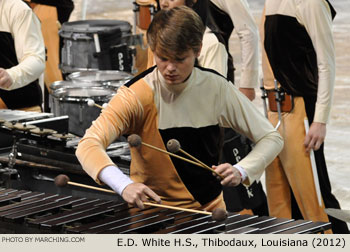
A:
(143, 13)
(72, 101)
(97, 45)
(24, 211)
(113, 79)
(21, 116)
(72, 84)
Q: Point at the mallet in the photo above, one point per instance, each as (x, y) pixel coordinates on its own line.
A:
(218, 214)
(91, 102)
(174, 146)
(135, 141)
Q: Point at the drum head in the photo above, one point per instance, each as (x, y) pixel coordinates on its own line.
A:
(78, 93)
(72, 84)
(106, 78)
(95, 26)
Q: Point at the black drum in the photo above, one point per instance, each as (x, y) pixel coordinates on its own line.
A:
(96, 45)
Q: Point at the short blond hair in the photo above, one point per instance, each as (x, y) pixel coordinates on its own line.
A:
(175, 31)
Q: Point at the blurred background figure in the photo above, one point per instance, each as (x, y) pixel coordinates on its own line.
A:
(22, 57)
(51, 13)
(234, 15)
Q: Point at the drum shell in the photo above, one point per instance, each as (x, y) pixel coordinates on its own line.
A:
(73, 102)
(144, 11)
(79, 52)
(113, 79)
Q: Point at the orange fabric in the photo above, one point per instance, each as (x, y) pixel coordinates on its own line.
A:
(150, 58)
(218, 202)
(246, 211)
(32, 109)
(141, 53)
(2, 104)
(292, 169)
(168, 184)
(49, 27)
(138, 114)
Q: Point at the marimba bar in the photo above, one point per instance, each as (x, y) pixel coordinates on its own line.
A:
(36, 212)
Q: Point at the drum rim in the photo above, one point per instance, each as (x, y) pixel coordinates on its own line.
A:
(60, 94)
(101, 25)
(75, 75)
(73, 84)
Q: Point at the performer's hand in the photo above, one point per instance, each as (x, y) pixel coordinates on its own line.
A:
(5, 79)
(249, 92)
(315, 136)
(136, 193)
(232, 176)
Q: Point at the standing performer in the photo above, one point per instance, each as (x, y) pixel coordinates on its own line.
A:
(175, 99)
(22, 57)
(299, 46)
(225, 17)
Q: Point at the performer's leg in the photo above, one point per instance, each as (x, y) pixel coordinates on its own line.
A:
(329, 199)
(296, 164)
(2, 104)
(278, 192)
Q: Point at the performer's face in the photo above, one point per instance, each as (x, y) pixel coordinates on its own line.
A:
(176, 71)
(168, 4)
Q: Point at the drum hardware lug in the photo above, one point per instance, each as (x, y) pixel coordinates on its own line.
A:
(9, 173)
(279, 97)
(136, 39)
(263, 97)
(42, 177)
(135, 10)
(136, 7)
(80, 113)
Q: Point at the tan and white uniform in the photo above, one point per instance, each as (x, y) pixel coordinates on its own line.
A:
(299, 46)
(22, 54)
(190, 112)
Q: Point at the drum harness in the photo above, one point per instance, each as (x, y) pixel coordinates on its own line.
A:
(278, 99)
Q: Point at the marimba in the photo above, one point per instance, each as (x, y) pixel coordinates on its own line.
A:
(24, 211)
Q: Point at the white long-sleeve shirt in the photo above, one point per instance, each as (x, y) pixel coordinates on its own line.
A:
(213, 54)
(17, 19)
(315, 16)
(248, 35)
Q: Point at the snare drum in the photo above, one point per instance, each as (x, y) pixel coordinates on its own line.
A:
(107, 78)
(73, 84)
(144, 11)
(96, 45)
(73, 102)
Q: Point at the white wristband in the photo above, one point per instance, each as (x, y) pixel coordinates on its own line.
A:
(115, 178)
(241, 171)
